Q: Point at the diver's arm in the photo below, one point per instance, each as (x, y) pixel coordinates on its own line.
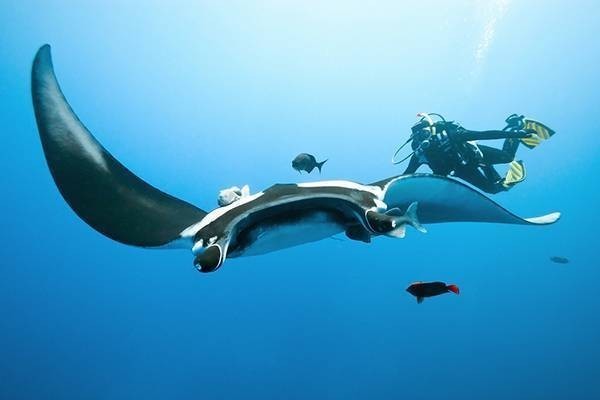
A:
(413, 165)
(466, 135)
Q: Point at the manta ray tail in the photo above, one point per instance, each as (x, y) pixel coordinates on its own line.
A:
(103, 192)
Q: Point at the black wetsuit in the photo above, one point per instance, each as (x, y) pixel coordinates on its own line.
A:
(446, 150)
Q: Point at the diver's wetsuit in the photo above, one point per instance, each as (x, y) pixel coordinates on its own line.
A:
(445, 148)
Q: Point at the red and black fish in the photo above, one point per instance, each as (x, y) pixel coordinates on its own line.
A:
(429, 289)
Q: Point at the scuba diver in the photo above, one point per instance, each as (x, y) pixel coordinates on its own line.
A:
(449, 149)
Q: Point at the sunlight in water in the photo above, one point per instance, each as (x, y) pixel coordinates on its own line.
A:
(492, 12)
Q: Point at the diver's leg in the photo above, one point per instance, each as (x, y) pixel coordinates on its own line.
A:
(491, 135)
(490, 173)
(510, 146)
(475, 177)
(491, 155)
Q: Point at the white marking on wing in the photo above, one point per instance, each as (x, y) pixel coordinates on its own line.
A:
(376, 191)
(216, 214)
(544, 219)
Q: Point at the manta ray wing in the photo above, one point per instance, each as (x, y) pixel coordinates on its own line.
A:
(444, 199)
(105, 194)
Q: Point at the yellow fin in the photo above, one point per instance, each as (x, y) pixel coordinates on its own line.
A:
(540, 133)
(516, 174)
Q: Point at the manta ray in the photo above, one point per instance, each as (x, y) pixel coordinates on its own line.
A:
(120, 205)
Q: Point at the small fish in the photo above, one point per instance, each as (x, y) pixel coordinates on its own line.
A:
(559, 260)
(429, 289)
(306, 162)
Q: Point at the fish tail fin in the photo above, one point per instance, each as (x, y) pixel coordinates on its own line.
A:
(413, 220)
(453, 288)
(320, 165)
(400, 221)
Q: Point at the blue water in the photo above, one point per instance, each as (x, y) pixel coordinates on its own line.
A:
(198, 96)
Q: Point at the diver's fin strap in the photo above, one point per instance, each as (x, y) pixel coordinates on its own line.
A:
(540, 132)
(516, 173)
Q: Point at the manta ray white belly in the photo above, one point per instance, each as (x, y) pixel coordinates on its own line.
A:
(269, 238)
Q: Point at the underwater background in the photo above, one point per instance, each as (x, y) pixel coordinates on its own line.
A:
(198, 96)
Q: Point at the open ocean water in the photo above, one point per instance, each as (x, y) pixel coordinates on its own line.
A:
(198, 96)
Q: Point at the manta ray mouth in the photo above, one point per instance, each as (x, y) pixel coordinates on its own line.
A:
(210, 259)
